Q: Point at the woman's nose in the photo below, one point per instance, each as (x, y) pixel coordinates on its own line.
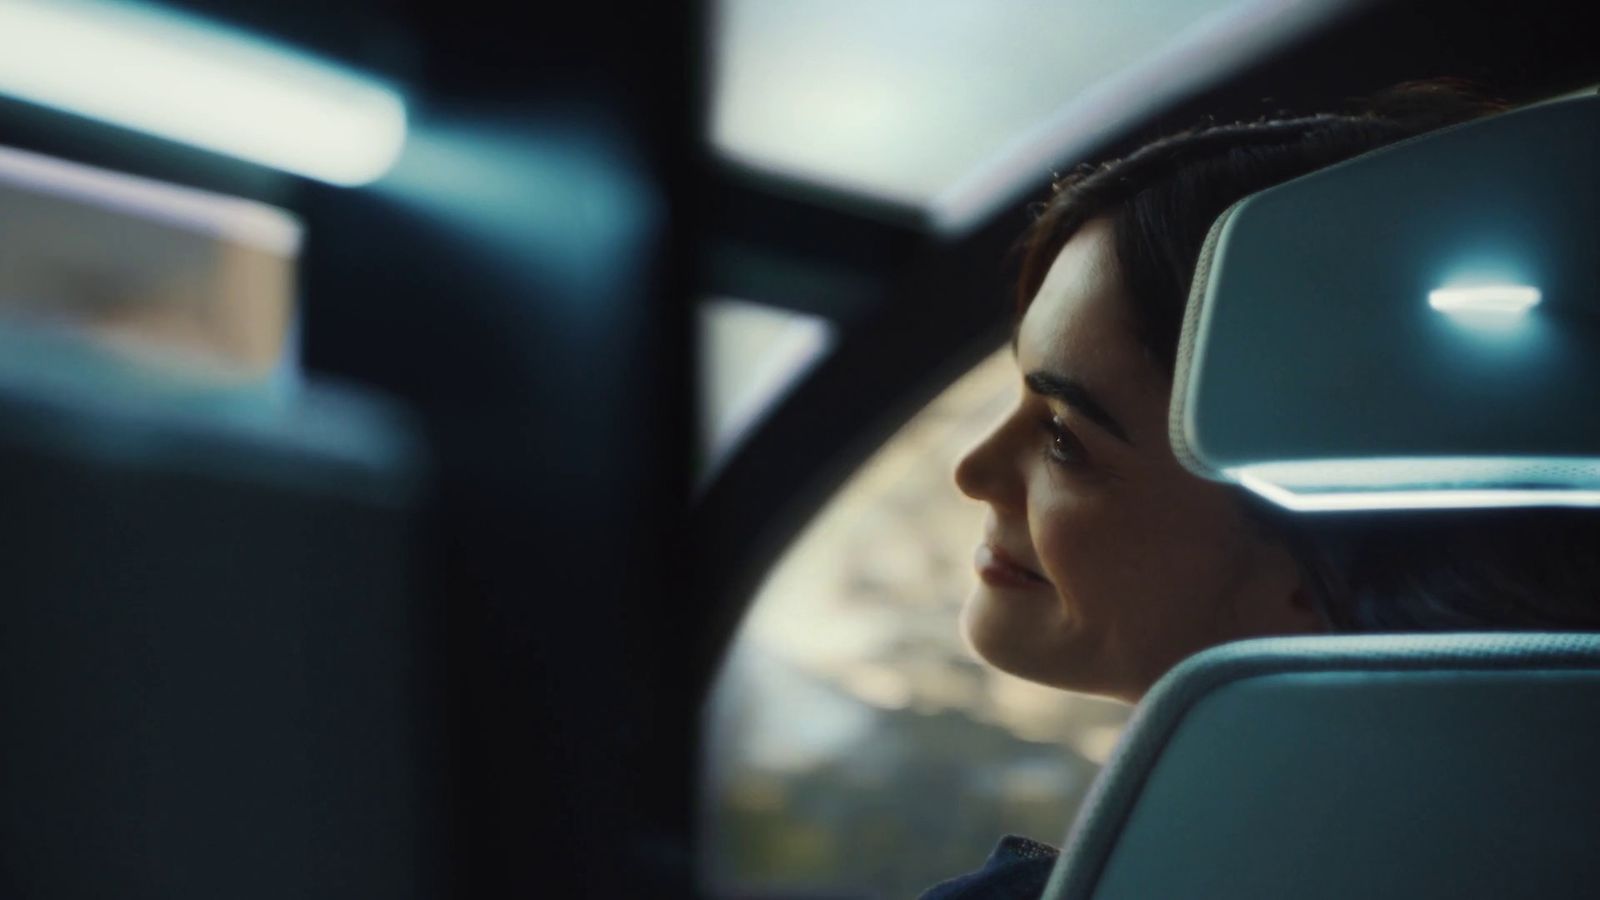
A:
(981, 472)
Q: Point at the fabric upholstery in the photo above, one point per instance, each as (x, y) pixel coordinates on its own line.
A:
(1411, 766)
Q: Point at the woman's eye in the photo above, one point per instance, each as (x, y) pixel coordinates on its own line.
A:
(1061, 445)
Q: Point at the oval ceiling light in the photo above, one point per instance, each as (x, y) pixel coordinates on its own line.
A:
(1491, 298)
(202, 84)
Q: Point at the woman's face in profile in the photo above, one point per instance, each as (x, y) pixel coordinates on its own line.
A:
(1103, 562)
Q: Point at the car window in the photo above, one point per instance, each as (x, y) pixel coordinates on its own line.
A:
(947, 107)
(166, 274)
(750, 356)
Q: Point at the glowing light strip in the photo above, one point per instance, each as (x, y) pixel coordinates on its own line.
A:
(181, 79)
(227, 218)
(1433, 472)
(1448, 498)
(1498, 298)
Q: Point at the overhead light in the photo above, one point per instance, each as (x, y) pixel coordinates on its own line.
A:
(1491, 298)
(182, 79)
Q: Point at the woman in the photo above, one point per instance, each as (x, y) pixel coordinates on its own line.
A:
(1103, 561)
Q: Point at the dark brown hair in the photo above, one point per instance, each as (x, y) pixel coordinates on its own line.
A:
(1462, 570)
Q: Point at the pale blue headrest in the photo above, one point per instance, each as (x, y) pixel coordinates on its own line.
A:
(1417, 327)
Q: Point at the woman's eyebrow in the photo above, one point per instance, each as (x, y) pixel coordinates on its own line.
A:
(1078, 397)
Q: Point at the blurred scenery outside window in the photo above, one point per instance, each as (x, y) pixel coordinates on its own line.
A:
(856, 747)
(190, 284)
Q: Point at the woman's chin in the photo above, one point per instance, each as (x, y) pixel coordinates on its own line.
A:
(1018, 638)
(1038, 643)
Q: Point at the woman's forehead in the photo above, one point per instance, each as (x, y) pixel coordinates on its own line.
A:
(1078, 320)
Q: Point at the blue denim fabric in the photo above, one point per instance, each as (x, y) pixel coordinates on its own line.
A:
(1016, 870)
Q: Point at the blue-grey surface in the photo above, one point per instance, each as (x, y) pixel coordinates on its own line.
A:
(1392, 766)
(1311, 336)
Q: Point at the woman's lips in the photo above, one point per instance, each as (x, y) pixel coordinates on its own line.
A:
(998, 570)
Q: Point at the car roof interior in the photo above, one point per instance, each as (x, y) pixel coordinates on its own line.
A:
(462, 601)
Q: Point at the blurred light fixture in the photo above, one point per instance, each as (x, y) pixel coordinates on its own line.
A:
(1493, 298)
(186, 80)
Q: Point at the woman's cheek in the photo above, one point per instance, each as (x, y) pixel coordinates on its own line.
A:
(1066, 542)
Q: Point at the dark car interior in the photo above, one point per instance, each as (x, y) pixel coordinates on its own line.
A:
(428, 601)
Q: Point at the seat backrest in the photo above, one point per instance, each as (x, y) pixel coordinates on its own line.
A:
(1455, 766)
(212, 659)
